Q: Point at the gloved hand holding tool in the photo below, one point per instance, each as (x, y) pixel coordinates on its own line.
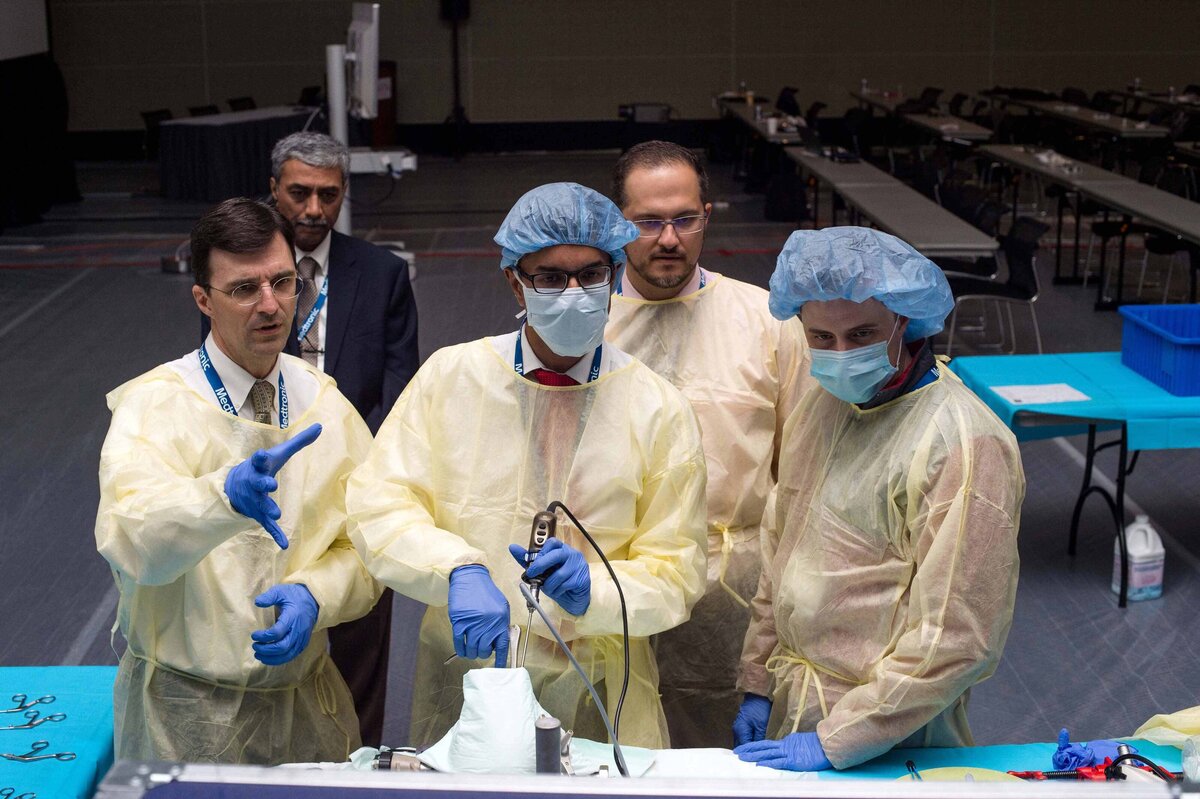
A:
(1076, 755)
(751, 722)
(250, 483)
(288, 637)
(800, 751)
(563, 572)
(478, 615)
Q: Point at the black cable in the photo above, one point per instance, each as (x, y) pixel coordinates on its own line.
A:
(1159, 771)
(394, 178)
(552, 507)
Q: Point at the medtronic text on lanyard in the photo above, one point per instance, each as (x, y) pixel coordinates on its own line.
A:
(519, 361)
(218, 387)
(315, 312)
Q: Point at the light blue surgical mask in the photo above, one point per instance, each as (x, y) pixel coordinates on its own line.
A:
(854, 375)
(571, 323)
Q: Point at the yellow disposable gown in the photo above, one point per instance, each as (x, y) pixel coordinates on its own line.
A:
(888, 591)
(188, 568)
(743, 371)
(466, 457)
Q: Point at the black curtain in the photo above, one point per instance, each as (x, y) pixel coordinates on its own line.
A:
(38, 169)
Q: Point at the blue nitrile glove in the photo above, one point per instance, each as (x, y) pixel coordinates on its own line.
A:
(751, 722)
(564, 571)
(250, 483)
(1071, 756)
(800, 751)
(478, 615)
(289, 636)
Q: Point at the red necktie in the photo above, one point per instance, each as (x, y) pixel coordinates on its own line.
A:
(548, 378)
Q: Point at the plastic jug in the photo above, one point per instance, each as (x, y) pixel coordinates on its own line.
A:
(1146, 558)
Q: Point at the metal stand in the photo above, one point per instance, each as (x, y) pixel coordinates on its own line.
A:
(1116, 504)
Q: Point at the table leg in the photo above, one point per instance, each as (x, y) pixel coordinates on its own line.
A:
(1122, 471)
(1059, 278)
(1103, 303)
(816, 201)
(1078, 222)
(1125, 222)
(1016, 184)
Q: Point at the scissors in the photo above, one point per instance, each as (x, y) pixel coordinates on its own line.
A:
(35, 753)
(22, 704)
(35, 719)
(11, 793)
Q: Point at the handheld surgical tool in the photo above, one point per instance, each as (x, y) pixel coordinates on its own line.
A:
(24, 704)
(35, 753)
(544, 525)
(35, 719)
(11, 793)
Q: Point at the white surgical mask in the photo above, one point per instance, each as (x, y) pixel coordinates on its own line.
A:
(571, 323)
(854, 375)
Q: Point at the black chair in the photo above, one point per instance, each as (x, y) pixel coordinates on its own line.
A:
(1021, 287)
(855, 120)
(983, 213)
(1105, 103)
(241, 103)
(1192, 88)
(203, 110)
(152, 119)
(786, 102)
(310, 96)
(812, 115)
(955, 106)
(1075, 96)
(1179, 180)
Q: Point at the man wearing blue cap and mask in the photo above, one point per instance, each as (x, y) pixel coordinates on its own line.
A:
(888, 586)
(490, 432)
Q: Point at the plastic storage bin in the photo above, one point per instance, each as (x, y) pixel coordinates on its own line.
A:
(1162, 344)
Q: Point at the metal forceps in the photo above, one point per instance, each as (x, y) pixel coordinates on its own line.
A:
(24, 704)
(35, 719)
(11, 793)
(35, 753)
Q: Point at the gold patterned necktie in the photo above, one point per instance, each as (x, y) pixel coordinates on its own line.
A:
(262, 394)
(310, 345)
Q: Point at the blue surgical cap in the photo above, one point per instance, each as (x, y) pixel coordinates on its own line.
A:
(563, 213)
(859, 264)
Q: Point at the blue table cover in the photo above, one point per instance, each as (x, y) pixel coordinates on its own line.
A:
(1156, 419)
(1009, 757)
(84, 694)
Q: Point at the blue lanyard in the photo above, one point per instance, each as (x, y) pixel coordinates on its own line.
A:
(519, 361)
(315, 312)
(620, 293)
(218, 387)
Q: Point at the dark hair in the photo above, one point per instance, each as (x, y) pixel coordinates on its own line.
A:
(240, 226)
(651, 154)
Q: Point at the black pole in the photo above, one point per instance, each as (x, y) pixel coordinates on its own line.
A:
(458, 116)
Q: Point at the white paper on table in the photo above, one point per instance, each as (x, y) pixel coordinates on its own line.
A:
(1042, 394)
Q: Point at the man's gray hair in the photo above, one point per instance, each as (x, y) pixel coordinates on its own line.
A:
(314, 149)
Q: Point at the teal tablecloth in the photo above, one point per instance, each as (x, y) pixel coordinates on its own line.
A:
(84, 694)
(1009, 757)
(1156, 419)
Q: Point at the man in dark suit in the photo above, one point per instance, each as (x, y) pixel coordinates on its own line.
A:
(356, 320)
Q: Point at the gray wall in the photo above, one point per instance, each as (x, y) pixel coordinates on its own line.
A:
(545, 60)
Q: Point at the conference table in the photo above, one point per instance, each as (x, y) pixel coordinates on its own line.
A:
(218, 156)
(756, 125)
(1050, 395)
(1114, 125)
(946, 127)
(894, 207)
(1112, 191)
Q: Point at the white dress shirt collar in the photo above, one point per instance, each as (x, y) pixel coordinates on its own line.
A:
(237, 380)
(579, 372)
(320, 254)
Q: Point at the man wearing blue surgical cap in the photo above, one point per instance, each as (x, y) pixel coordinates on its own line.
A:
(490, 432)
(888, 587)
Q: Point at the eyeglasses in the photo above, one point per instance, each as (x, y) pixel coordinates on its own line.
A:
(285, 288)
(684, 225)
(590, 277)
